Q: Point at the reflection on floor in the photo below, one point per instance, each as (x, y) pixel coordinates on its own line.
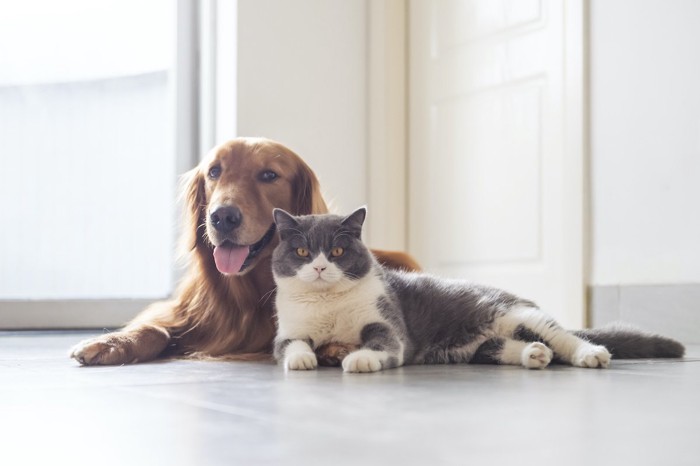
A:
(208, 413)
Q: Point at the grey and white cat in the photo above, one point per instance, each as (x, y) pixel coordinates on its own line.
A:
(330, 289)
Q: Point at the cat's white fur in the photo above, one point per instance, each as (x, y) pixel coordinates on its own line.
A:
(321, 303)
(572, 349)
(364, 360)
(300, 356)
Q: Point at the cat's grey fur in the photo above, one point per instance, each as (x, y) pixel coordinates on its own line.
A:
(397, 318)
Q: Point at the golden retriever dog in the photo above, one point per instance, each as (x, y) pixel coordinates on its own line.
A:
(223, 307)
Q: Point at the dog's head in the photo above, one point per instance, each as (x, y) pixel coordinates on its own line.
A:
(231, 194)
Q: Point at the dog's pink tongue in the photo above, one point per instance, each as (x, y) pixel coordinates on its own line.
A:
(229, 259)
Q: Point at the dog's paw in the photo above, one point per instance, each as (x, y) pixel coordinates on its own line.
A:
(102, 350)
(591, 356)
(332, 354)
(301, 361)
(363, 360)
(536, 356)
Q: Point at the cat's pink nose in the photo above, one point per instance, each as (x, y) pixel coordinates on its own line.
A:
(319, 269)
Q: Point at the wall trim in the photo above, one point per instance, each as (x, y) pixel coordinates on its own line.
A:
(672, 310)
(387, 121)
(576, 143)
(218, 54)
(69, 314)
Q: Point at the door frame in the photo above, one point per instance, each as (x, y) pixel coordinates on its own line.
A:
(387, 124)
(577, 162)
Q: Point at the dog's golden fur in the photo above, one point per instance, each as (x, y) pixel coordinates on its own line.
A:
(213, 314)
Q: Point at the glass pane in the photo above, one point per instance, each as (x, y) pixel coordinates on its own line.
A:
(86, 155)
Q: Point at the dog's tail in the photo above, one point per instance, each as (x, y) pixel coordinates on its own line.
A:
(627, 342)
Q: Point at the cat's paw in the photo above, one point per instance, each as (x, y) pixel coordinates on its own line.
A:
(536, 356)
(363, 360)
(592, 356)
(301, 361)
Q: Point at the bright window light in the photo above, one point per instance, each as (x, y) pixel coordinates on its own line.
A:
(86, 149)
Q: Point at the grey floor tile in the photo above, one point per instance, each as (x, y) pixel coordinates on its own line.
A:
(214, 413)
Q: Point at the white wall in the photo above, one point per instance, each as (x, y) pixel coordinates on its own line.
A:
(645, 141)
(302, 80)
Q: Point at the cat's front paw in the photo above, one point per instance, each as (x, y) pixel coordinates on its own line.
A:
(591, 356)
(302, 361)
(536, 356)
(363, 360)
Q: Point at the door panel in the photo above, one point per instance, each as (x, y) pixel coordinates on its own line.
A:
(488, 169)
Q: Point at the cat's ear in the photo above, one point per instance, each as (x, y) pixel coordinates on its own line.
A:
(354, 221)
(285, 222)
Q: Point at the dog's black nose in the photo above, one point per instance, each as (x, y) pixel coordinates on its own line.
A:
(225, 219)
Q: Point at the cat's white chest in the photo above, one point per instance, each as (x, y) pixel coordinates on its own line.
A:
(328, 316)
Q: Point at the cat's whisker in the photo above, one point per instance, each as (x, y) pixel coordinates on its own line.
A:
(266, 297)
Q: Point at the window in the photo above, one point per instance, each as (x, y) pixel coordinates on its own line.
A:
(87, 150)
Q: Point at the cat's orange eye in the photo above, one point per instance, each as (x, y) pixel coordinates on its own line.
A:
(337, 252)
(301, 252)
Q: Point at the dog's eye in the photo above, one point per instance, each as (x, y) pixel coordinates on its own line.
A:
(302, 252)
(268, 176)
(215, 172)
(337, 252)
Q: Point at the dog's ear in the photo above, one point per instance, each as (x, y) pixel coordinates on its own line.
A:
(194, 203)
(307, 192)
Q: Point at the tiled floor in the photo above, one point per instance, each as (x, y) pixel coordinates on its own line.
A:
(213, 413)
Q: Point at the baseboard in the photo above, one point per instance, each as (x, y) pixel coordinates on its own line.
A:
(69, 314)
(671, 310)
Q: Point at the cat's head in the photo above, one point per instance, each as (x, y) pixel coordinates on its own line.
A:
(321, 251)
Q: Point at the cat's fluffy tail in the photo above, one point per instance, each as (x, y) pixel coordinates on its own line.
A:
(627, 342)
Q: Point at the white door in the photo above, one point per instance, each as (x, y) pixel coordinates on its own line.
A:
(495, 184)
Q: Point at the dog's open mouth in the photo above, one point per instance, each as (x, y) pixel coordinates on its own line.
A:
(231, 258)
